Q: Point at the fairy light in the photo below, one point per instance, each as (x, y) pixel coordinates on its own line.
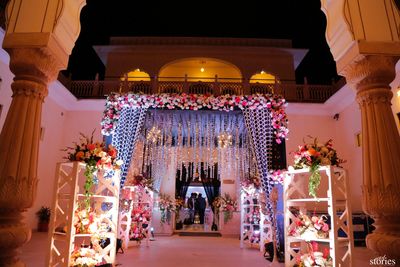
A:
(154, 135)
(224, 140)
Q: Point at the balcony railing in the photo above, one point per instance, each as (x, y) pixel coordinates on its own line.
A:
(292, 92)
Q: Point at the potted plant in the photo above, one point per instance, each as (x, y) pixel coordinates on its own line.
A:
(44, 217)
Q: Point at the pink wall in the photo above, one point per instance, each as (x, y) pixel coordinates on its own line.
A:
(300, 126)
(53, 121)
(81, 122)
(342, 132)
(348, 125)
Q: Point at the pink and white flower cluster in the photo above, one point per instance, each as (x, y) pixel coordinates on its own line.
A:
(274, 103)
(310, 228)
(314, 258)
(225, 203)
(277, 176)
(85, 257)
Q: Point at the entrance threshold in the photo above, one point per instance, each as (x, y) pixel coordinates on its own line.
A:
(198, 233)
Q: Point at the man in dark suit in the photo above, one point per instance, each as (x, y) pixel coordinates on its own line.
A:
(201, 206)
(191, 204)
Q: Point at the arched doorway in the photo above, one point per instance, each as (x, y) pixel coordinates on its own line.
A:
(137, 81)
(263, 82)
(200, 76)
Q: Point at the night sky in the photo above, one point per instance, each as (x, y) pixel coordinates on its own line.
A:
(302, 21)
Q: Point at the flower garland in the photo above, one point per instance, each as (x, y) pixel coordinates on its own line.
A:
(274, 103)
(96, 157)
(227, 205)
(312, 156)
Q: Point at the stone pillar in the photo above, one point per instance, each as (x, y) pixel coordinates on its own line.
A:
(370, 76)
(39, 43)
(34, 68)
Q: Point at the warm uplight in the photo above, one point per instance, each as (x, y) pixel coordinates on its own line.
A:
(263, 77)
(202, 69)
(136, 75)
(398, 93)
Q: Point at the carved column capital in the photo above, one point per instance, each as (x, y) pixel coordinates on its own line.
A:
(368, 72)
(36, 64)
(374, 96)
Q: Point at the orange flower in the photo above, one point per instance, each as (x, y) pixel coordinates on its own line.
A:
(79, 155)
(312, 151)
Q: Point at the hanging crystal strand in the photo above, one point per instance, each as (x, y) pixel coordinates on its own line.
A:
(229, 151)
(197, 145)
(201, 145)
(207, 154)
(224, 149)
(189, 127)
(218, 148)
(167, 153)
(236, 144)
(212, 142)
(178, 145)
(192, 143)
(206, 137)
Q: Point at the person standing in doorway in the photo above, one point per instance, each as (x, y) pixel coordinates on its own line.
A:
(191, 206)
(201, 206)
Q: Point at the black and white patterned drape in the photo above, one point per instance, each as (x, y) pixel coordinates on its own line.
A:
(261, 133)
(126, 134)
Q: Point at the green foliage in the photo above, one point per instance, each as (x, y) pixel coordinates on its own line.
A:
(89, 173)
(314, 180)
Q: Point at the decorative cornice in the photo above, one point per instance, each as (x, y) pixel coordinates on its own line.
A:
(204, 41)
(371, 72)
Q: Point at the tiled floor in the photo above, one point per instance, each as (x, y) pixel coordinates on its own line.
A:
(179, 251)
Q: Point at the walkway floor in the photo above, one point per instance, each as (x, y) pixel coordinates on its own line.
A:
(179, 251)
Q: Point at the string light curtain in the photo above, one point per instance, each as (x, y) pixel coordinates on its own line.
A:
(192, 136)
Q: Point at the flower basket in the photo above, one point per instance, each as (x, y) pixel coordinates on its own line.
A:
(312, 156)
(97, 157)
(227, 205)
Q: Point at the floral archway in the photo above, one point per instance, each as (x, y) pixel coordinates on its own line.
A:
(261, 116)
